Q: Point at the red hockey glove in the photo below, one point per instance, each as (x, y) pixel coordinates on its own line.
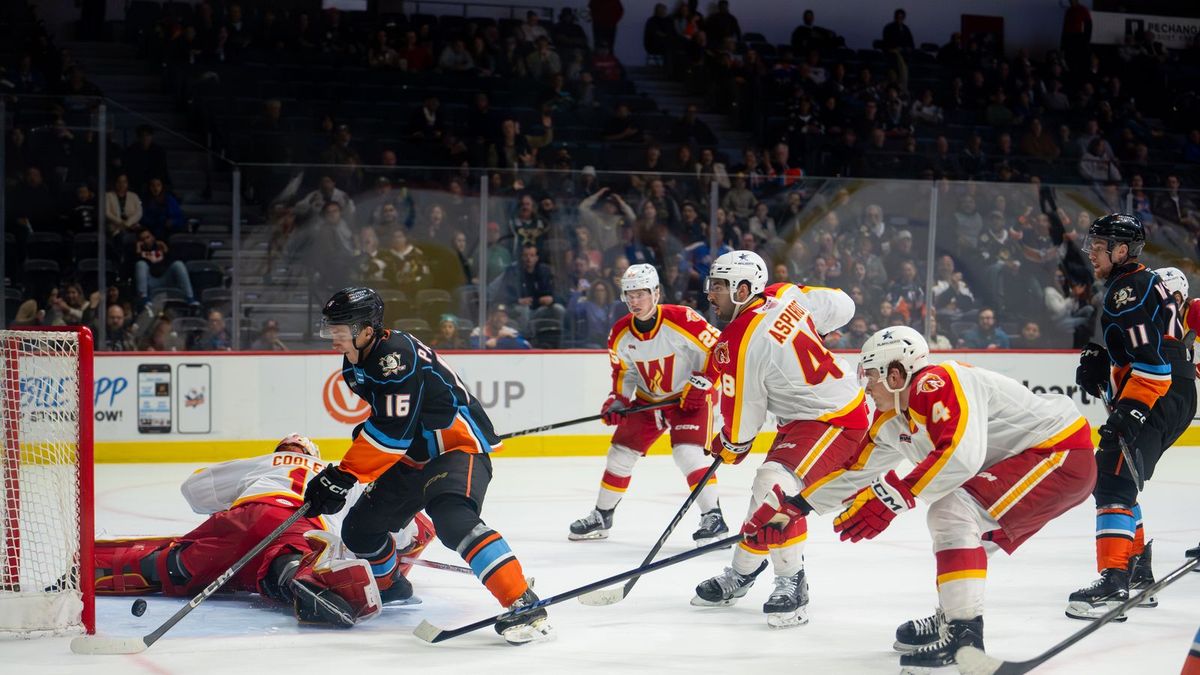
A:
(613, 407)
(731, 453)
(772, 517)
(695, 393)
(874, 507)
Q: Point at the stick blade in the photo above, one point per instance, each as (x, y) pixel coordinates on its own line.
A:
(603, 597)
(89, 644)
(428, 632)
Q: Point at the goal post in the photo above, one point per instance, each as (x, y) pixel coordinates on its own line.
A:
(47, 529)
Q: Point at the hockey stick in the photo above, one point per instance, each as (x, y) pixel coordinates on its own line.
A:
(432, 634)
(591, 418)
(611, 596)
(973, 661)
(1125, 451)
(90, 644)
(436, 565)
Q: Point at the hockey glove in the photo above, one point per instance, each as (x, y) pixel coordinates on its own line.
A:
(730, 452)
(613, 407)
(327, 491)
(1093, 371)
(1125, 422)
(773, 516)
(695, 393)
(874, 507)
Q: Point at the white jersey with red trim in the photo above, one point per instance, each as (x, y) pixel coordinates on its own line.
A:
(771, 359)
(975, 418)
(277, 478)
(655, 365)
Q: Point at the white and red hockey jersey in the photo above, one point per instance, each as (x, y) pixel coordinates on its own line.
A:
(771, 359)
(961, 421)
(277, 478)
(655, 365)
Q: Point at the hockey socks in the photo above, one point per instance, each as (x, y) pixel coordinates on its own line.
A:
(617, 473)
(693, 464)
(1116, 527)
(1139, 533)
(1192, 665)
(383, 564)
(961, 577)
(494, 563)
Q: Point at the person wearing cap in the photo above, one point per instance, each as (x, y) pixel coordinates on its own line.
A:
(497, 333)
(447, 336)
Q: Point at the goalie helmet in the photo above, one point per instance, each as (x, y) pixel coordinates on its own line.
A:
(737, 267)
(296, 443)
(356, 307)
(1175, 280)
(639, 277)
(897, 344)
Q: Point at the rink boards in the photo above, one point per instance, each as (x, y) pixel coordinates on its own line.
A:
(207, 407)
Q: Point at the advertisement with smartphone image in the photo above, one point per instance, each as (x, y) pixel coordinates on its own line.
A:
(194, 400)
(154, 398)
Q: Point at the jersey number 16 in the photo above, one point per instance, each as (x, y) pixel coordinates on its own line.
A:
(396, 405)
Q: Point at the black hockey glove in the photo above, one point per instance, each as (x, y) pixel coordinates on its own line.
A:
(1125, 422)
(327, 491)
(1093, 371)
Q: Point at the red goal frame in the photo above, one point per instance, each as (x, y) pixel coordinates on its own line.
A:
(84, 469)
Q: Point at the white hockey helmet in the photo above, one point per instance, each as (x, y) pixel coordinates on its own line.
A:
(639, 277)
(1174, 279)
(736, 267)
(294, 442)
(896, 344)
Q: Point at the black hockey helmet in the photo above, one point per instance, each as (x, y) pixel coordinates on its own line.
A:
(356, 307)
(1118, 228)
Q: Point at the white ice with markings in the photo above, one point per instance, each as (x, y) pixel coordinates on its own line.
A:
(860, 592)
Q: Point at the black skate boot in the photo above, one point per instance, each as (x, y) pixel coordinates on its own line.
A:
(712, 525)
(594, 525)
(912, 635)
(1141, 577)
(1093, 601)
(724, 589)
(525, 627)
(788, 604)
(939, 654)
(399, 592)
(1193, 553)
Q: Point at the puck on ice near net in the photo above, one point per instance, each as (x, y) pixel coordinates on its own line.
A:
(139, 607)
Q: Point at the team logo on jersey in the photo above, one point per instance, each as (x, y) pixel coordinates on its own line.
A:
(905, 438)
(692, 315)
(930, 383)
(721, 353)
(390, 365)
(987, 476)
(1123, 297)
(658, 373)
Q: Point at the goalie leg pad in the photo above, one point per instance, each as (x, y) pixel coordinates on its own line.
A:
(129, 566)
(334, 586)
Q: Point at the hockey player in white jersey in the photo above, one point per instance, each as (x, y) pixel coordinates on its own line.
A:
(658, 352)
(771, 359)
(994, 461)
(245, 499)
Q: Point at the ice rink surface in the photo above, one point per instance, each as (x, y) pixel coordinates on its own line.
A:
(860, 592)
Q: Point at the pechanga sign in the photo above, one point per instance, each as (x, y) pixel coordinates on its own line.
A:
(1109, 28)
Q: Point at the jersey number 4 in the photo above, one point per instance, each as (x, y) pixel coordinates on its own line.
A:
(396, 405)
(816, 361)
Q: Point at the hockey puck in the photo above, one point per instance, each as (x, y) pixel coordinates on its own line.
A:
(139, 607)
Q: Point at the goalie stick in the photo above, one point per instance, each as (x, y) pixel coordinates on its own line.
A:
(973, 661)
(405, 560)
(90, 644)
(590, 418)
(432, 634)
(611, 596)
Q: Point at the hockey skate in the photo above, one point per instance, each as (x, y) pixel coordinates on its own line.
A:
(1094, 600)
(1193, 552)
(788, 604)
(531, 626)
(941, 653)
(712, 526)
(724, 589)
(912, 635)
(1141, 577)
(400, 592)
(594, 525)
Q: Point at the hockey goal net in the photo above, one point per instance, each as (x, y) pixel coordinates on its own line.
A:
(46, 528)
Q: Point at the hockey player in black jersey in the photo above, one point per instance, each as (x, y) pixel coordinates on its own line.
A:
(1144, 370)
(425, 446)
